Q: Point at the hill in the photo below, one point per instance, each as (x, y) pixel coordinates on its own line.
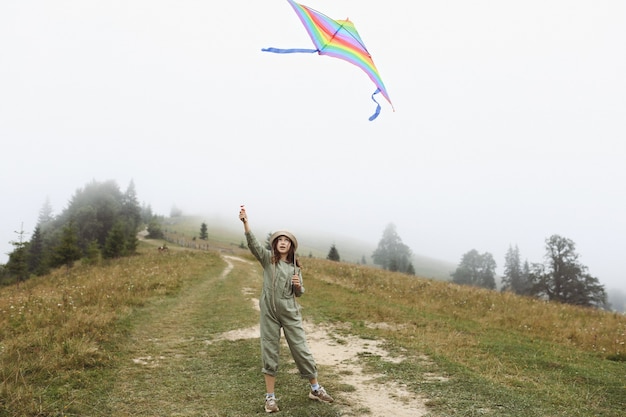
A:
(311, 244)
(168, 334)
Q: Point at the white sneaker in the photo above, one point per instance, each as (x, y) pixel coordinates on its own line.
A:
(321, 395)
(270, 405)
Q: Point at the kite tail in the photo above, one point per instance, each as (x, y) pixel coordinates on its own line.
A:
(377, 112)
(289, 51)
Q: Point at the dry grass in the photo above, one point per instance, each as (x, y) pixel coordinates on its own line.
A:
(63, 338)
(588, 329)
(54, 327)
(501, 354)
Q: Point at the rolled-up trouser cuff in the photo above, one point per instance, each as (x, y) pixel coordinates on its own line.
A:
(268, 372)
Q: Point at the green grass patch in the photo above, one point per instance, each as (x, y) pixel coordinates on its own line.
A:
(489, 353)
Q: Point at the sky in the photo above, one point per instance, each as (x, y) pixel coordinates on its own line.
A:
(509, 122)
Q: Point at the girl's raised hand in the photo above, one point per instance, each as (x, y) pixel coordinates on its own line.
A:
(242, 214)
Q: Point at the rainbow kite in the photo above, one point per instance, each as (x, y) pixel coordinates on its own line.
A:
(338, 39)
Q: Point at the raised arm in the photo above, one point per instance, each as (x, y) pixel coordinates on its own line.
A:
(244, 219)
(259, 252)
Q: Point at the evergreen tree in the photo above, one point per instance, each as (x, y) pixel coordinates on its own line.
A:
(154, 229)
(37, 262)
(516, 276)
(94, 210)
(17, 265)
(393, 264)
(204, 235)
(526, 279)
(131, 211)
(333, 254)
(512, 270)
(132, 243)
(146, 214)
(130, 216)
(563, 278)
(90, 216)
(45, 214)
(4, 275)
(476, 269)
(68, 250)
(115, 244)
(93, 254)
(391, 254)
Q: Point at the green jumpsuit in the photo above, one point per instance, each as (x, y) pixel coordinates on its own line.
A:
(279, 309)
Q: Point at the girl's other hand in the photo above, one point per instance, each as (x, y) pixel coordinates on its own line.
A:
(295, 280)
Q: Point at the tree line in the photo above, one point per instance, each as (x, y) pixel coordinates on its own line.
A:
(560, 277)
(100, 221)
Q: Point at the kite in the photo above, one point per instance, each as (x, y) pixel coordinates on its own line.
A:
(338, 39)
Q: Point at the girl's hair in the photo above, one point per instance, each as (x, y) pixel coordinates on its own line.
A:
(290, 255)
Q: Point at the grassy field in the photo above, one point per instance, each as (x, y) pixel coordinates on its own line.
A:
(133, 337)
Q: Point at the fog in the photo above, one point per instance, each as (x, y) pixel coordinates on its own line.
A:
(509, 124)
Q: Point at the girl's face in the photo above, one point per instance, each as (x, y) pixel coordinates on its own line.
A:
(283, 244)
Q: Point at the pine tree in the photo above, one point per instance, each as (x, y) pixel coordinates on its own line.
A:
(115, 244)
(90, 216)
(516, 276)
(37, 262)
(131, 211)
(94, 210)
(204, 235)
(68, 250)
(45, 214)
(333, 254)
(17, 264)
(391, 254)
(146, 213)
(93, 254)
(131, 245)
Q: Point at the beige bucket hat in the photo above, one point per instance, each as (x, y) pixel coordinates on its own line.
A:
(290, 235)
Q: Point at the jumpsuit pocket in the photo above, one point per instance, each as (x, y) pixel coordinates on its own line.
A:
(293, 307)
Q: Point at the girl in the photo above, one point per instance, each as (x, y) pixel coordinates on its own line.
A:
(282, 282)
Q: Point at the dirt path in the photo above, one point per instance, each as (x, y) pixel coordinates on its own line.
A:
(342, 353)
(165, 342)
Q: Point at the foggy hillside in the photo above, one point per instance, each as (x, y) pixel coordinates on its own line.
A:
(318, 244)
